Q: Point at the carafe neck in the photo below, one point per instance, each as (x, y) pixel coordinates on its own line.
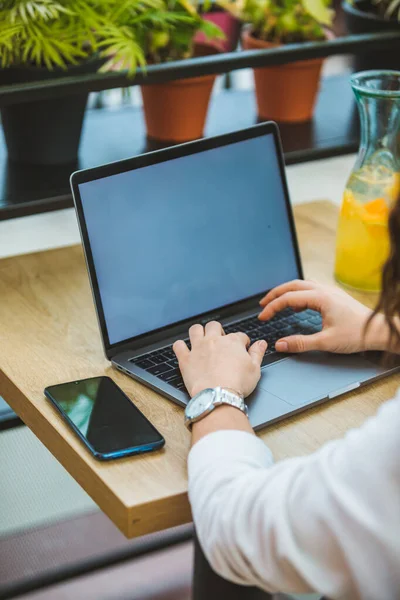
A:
(378, 99)
(380, 131)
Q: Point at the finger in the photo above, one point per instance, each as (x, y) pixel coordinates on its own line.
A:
(196, 333)
(214, 329)
(243, 338)
(181, 350)
(296, 300)
(301, 343)
(289, 286)
(257, 351)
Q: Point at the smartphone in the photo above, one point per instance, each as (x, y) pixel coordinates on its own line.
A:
(104, 418)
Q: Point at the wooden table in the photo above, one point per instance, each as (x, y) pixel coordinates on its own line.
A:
(49, 334)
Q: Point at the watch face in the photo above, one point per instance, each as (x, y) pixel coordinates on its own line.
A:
(200, 404)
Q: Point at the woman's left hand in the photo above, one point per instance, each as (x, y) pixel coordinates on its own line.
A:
(221, 360)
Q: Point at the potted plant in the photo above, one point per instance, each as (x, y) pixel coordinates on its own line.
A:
(176, 111)
(371, 16)
(43, 39)
(285, 93)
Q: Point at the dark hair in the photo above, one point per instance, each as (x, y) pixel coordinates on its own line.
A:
(389, 300)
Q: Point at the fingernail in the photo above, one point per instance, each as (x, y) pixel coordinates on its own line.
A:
(282, 346)
(263, 344)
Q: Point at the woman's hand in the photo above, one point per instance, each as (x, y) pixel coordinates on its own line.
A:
(344, 319)
(217, 359)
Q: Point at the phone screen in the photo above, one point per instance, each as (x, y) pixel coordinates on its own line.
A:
(104, 417)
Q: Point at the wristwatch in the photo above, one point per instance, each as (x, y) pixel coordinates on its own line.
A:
(206, 401)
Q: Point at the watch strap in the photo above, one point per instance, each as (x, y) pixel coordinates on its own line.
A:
(226, 396)
(220, 396)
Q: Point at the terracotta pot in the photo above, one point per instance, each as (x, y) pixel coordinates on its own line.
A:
(285, 93)
(176, 111)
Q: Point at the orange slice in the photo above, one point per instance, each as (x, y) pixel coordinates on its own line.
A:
(377, 206)
(376, 211)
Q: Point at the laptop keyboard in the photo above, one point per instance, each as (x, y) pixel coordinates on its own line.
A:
(163, 364)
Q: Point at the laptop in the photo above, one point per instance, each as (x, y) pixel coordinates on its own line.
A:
(200, 232)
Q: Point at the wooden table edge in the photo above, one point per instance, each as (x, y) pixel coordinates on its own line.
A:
(143, 518)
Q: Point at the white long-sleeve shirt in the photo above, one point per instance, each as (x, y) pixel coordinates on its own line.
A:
(328, 522)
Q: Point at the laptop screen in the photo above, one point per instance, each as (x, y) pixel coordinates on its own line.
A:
(182, 237)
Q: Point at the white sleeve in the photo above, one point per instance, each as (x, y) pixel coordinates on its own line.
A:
(329, 522)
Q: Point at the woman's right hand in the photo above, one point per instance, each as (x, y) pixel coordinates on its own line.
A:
(343, 318)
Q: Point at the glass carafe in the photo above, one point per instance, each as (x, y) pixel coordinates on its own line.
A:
(362, 244)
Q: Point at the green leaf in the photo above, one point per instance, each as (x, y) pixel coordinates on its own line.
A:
(56, 33)
(319, 11)
(211, 31)
(393, 6)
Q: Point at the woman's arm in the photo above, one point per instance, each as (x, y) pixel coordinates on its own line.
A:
(329, 522)
(344, 322)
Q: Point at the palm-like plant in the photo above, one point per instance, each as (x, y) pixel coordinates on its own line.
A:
(163, 32)
(283, 21)
(58, 33)
(50, 33)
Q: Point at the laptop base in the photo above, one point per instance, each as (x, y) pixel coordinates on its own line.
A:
(306, 379)
(288, 386)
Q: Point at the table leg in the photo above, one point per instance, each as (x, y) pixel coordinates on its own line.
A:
(207, 585)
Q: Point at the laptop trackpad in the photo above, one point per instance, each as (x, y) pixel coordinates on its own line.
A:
(309, 377)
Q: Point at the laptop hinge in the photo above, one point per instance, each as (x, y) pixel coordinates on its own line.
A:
(241, 309)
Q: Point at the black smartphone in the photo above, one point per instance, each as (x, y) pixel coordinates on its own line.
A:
(104, 418)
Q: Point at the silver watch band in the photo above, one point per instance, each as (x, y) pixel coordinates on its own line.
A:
(225, 396)
(209, 399)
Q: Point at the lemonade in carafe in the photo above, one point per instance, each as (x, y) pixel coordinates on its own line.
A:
(374, 185)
